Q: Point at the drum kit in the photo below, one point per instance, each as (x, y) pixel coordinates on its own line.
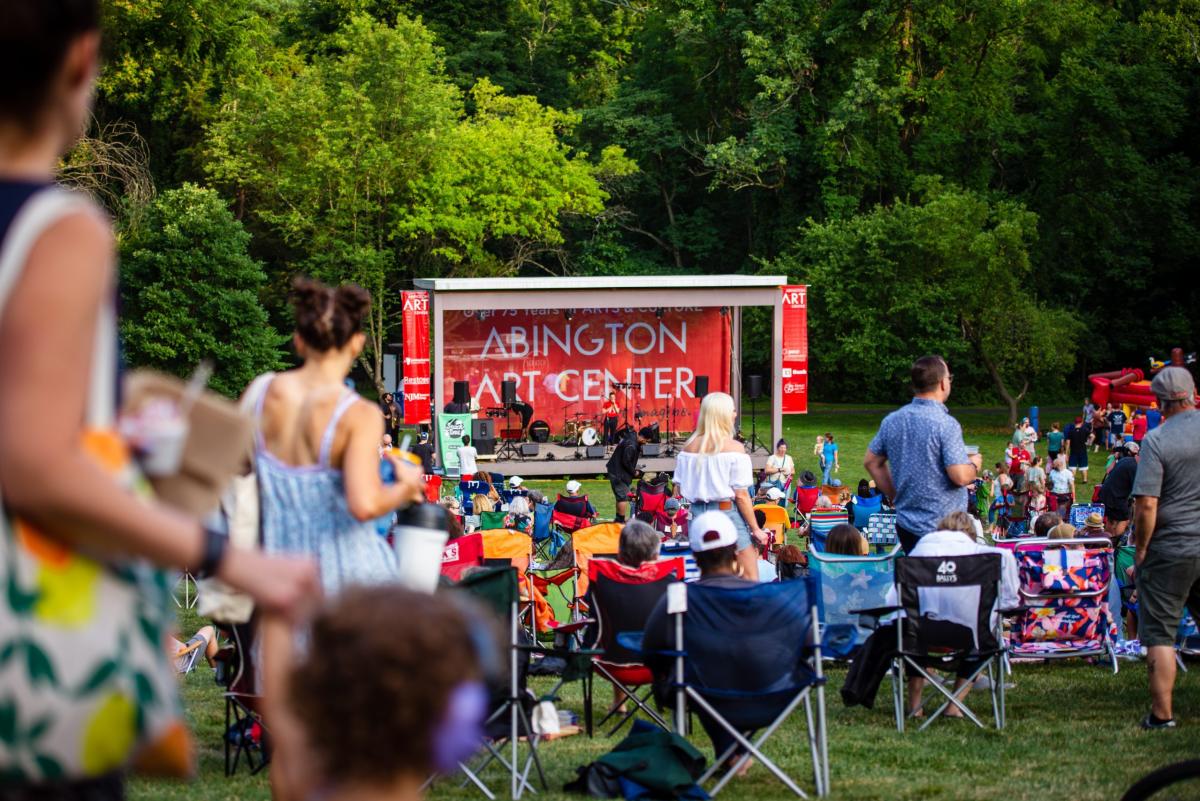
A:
(579, 430)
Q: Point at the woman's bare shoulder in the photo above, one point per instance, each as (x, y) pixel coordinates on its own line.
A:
(731, 445)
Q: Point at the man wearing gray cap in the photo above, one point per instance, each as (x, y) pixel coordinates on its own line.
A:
(1167, 530)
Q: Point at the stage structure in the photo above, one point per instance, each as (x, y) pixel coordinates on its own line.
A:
(540, 355)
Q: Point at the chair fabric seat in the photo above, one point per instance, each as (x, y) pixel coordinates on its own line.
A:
(629, 675)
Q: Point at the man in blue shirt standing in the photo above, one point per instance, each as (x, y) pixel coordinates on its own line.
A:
(918, 458)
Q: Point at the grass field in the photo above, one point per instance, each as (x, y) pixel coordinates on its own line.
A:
(1072, 730)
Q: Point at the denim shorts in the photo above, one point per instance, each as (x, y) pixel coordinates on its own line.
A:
(739, 524)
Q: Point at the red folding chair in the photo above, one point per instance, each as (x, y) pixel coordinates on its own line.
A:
(460, 554)
(806, 501)
(622, 600)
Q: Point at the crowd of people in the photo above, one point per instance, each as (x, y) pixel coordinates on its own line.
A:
(327, 470)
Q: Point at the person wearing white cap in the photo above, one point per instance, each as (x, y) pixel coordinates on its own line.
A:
(1167, 533)
(515, 486)
(573, 503)
(714, 473)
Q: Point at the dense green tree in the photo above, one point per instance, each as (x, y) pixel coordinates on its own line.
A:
(189, 292)
(364, 160)
(948, 273)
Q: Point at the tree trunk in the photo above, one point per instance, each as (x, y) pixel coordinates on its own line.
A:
(1002, 389)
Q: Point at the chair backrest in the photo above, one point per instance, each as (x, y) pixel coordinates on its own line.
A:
(623, 598)
(948, 600)
(864, 508)
(821, 522)
(568, 523)
(542, 513)
(461, 553)
(806, 498)
(491, 520)
(757, 639)
(602, 538)
(881, 529)
(501, 543)
(651, 497)
(558, 588)
(433, 488)
(1080, 511)
(777, 517)
(691, 571)
(838, 494)
(576, 505)
(851, 582)
(1058, 568)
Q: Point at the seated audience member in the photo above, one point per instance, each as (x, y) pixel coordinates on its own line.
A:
(865, 502)
(202, 643)
(1063, 531)
(645, 516)
(516, 485)
(672, 522)
(766, 570)
(846, 540)
(1093, 526)
(519, 517)
(381, 647)
(639, 544)
(573, 503)
(791, 562)
(713, 540)
(955, 537)
(1044, 522)
(760, 494)
(534, 498)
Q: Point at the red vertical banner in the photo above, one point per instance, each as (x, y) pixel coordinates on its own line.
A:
(795, 349)
(416, 357)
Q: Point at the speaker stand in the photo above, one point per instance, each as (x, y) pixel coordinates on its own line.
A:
(507, 447)
(755, 443)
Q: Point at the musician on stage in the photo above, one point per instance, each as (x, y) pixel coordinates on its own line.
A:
(612, 414)
(524, 409)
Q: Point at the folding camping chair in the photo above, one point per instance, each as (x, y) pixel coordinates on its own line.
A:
(573, 515)
(492, 520)
(864, 509)
(601, 540)
(622, 599)
(846, 583)
(1080, 511)
(821, 522)
(1064, 600)
(747, 658)
(928, 636)
(649, 497)
(245, 734)
(508, 723)
(506, 547)
(460, 554)
(777, 520)
(881, 531)
(806, 501)
(546, 541)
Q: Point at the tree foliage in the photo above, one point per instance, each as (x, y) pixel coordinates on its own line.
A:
(380, 140)
(189, 292)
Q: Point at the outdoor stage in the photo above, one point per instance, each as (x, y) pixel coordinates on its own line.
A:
(565, 464)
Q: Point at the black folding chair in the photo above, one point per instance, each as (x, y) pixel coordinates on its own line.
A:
(245, 735)
(932, 591)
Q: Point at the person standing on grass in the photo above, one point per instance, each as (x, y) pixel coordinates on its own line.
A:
(1054, 442)
(1079, 436)
(1167, 534)
(918, 457)
(1100, 428)
(829, 458)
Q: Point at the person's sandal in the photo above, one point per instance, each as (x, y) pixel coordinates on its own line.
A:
(1151, 723)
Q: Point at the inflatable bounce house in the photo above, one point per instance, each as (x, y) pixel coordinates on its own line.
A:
(1129, 386)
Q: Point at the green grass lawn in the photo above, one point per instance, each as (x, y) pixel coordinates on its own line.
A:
(1072, 730)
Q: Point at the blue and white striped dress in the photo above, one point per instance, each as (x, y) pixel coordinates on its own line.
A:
(304, 511)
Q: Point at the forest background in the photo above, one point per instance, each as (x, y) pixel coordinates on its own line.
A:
(1012, 183)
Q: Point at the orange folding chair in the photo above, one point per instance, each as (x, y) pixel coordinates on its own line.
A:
(777, 520)
(517, 549)
(602, 539)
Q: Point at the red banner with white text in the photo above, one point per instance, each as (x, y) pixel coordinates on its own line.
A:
(565, 361)
(416, 357)
(795, 349)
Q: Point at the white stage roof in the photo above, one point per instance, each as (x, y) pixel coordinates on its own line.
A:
(601, 282)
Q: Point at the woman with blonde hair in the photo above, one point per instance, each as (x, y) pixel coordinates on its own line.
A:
(713, 472)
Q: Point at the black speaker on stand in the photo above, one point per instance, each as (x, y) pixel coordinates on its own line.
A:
(508, 392)
(462, 393)
(754, 384)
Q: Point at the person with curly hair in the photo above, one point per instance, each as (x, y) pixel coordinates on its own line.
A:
(417, 656)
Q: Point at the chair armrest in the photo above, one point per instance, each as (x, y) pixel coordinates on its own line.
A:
(877, 611)
(631, 640)
(1016, 610)
(574, 627)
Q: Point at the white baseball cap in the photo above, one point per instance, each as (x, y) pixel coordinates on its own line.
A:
(574, 486)
(710, 531)
(515, 481)
(774, 493)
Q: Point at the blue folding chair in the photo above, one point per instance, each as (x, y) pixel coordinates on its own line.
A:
(546, 540)
(881, 531)
(746, 686)
(850, 582)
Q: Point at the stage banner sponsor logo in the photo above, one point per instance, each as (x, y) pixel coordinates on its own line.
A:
(451, 428)
(795, 349)
(415, 323)
(564, 362)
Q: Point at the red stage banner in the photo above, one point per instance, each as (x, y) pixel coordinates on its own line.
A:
(565, 361)
(795, 349)
(416, 357)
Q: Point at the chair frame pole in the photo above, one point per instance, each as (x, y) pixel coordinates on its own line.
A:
(680, 694)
